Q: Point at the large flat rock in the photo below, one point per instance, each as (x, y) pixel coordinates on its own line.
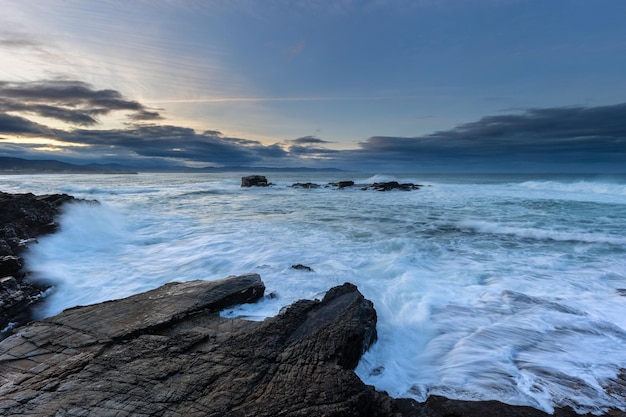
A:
(167, 352)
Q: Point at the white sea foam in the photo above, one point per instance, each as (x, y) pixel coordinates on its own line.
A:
(582, 189)
(482, 226)
(488, 290)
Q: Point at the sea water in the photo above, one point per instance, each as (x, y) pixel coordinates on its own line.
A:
(506, 287)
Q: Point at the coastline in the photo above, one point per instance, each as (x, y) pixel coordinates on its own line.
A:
(23, 218)
(379, 403)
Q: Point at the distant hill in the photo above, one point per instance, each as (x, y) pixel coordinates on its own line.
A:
(262, 169)
(19, 165)
(10, 165)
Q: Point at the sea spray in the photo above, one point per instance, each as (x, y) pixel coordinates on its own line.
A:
(486, 287)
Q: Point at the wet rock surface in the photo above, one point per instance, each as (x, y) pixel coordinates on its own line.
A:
(393, 185)
(378, 186)
(301, 267)
(254, 181)
(167, 352)
(23, 217)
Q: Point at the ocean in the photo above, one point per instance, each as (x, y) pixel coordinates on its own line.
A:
(505, 287)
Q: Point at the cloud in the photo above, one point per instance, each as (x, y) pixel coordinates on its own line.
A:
(546, 137)
(73, 102)
(310, 147)
(536, 125)
(23, 41)
(178, 143)
(19, 126)
(575, 138)
(11, 41)
(308, 140)
(310, 152)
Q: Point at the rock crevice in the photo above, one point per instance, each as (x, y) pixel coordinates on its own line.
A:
(168, 352)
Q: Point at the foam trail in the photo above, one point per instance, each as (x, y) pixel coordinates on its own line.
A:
(486, 288)
(482, 226)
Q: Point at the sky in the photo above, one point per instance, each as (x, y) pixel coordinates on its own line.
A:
(368, 85)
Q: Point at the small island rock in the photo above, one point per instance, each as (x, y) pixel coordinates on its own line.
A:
(254, 181)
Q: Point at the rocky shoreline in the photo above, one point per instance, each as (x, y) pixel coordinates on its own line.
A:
(23, 217)
(167, 352)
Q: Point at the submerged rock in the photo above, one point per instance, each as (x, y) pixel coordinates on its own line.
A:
(306, 185)
(302, 267)
(392, 185)
(342, 184)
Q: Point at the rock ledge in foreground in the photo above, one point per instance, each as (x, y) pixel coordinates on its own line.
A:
(167, 352)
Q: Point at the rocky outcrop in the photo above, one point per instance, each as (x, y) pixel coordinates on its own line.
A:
(167, 352)
(301, 267)
(307, 185)
(378, 186)
(23, 217)
(392, 185)
(342, 184)
(254, 181)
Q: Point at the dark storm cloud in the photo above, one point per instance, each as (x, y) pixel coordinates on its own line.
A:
(564, 135)
(535, 126)
(16, 125)
(74, 102)
(179, 143)
(538, 139)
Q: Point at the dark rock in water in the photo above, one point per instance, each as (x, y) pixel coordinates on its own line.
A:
(306, 185)
(392, 185)
(167, 352)
(254, 181)
(378, 186)
(342, 184)
(302, 267)
(22, 218)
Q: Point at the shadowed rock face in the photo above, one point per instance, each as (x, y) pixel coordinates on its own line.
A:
(167, 352)
(22, 218)
(254, 181)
